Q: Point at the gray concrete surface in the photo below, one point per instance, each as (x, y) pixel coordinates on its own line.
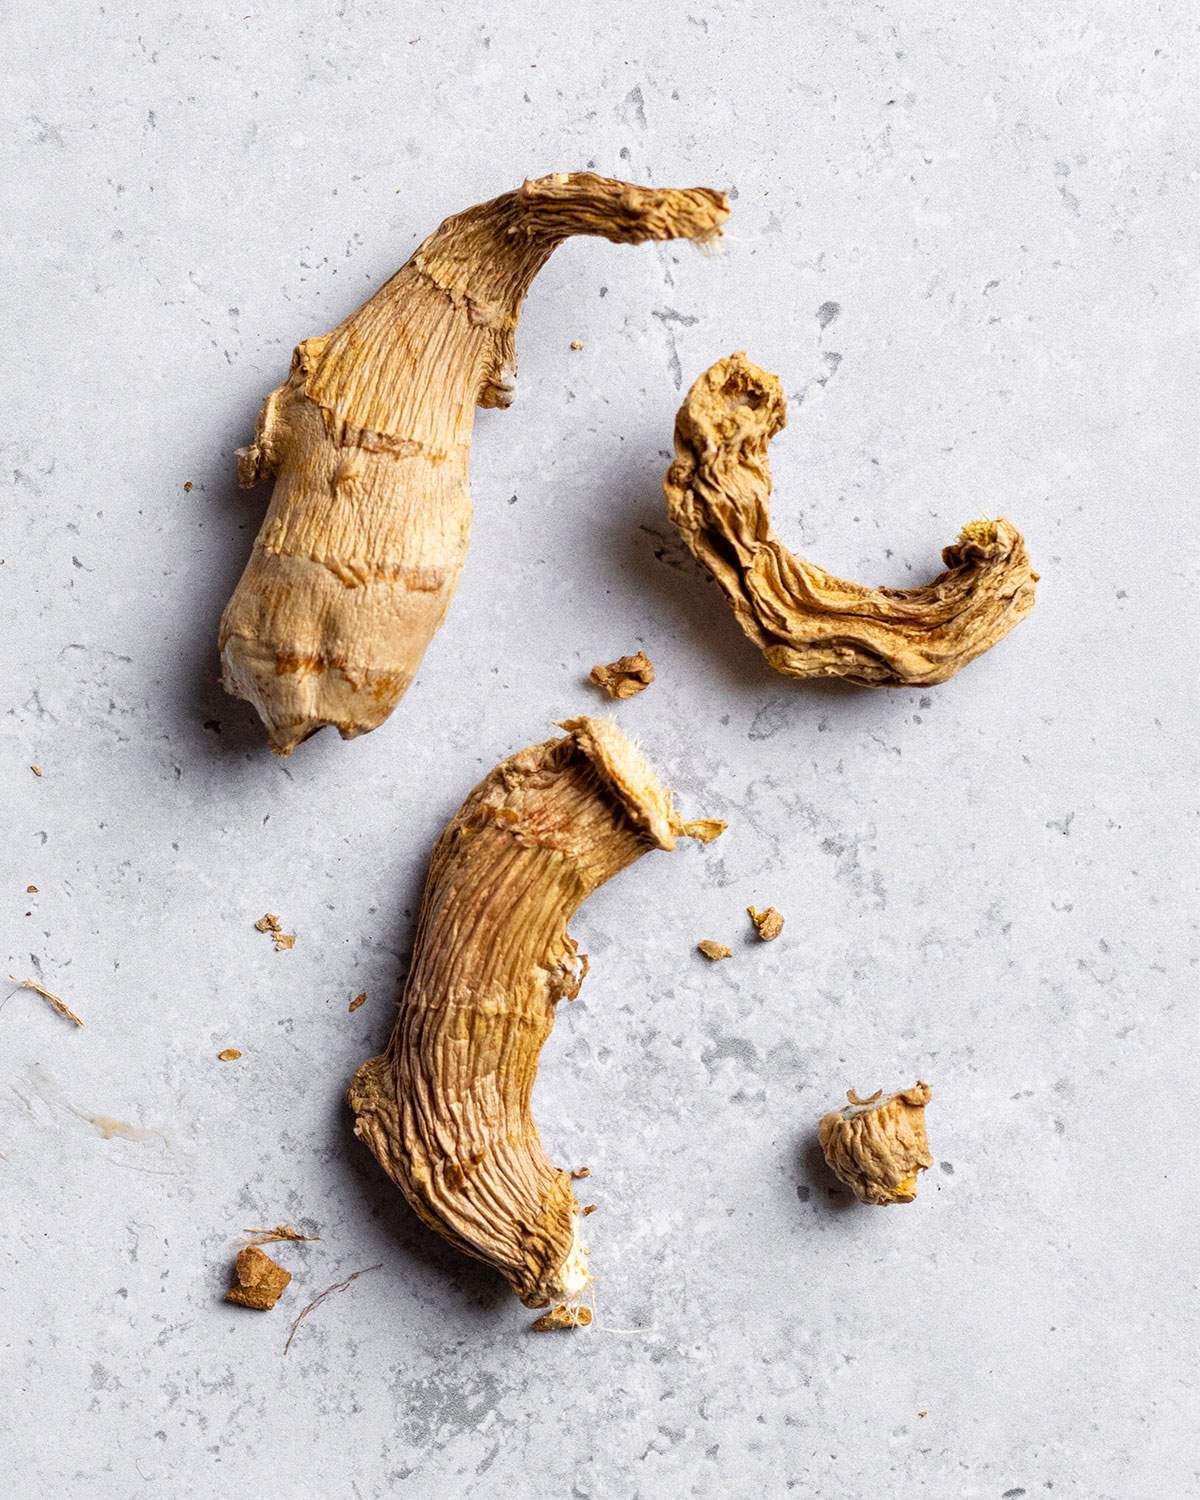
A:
(965, 236)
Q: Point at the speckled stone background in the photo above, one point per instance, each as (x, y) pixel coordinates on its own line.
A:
(965, 236)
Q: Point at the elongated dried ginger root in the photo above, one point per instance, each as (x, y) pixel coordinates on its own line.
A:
(368, 441)
(877, 1146)
(446, 1109)
(806, 622)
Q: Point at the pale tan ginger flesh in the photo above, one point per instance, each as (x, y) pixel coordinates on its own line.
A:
(368, 442)
(806, 622)
(877, 1146)
(625, 677)
(768, 924)
(446, 1109)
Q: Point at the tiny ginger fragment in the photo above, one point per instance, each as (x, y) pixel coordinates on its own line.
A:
(230, 1054)
(368, 440)
(258, 1281)
(31, 890)
(806, 622)
(768, 924)
(714, 951)
(446, 1109)
(625, 677)
(562, 1317)
(280, 1233)
(877, 1146)
(37, 770)
(269, 922)
(360, 999)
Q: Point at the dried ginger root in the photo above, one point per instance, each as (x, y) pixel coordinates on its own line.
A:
(258, 1281)
(625, 677)
(368, 441)
(768, 924)
(446, 1109)
(877, 1146)
(806, 622)
(714, 951)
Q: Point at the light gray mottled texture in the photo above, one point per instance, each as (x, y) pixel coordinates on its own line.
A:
(965, 236)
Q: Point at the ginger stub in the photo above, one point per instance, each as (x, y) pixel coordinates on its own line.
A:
(806, 622)
(877, 1146)
(625, 677)
(258, 1281)
(368, 440)
(446, 1109)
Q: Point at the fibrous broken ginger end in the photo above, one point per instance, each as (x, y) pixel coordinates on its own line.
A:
(562, 1317)
(806, 622)
(768, 924)
(625, 677)
(258, 1281)
(877, 1146)
(446, 1109)
(368, 441)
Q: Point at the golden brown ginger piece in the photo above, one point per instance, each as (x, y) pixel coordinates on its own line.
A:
(768, 924)
(877, 1146)
(368, 441)
(258, 1281)
(625, 677)
(446, 1109)
(806, 622)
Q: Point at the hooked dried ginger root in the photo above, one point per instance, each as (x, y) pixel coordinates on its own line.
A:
(446, 1109)
(877, 1146)
(806, 622)
(368, 442)
(258, 1281)
(625, 677)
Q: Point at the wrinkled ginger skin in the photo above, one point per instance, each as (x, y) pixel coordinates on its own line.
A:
(806, 622)
(877, 1146)
(368, 442)
(446, 1109)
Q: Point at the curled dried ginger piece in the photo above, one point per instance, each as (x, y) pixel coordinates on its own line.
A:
(446, 1109)
(806, 622)
(625, 677)
(877, 1146)
(768, 924)
(368, 441)
(258, 1281)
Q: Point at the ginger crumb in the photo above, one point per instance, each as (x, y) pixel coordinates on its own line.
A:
(714, 951)
(230, 1054)
(187, 486)
(357, 1001)
(576, 343)
(269, 922)
(589, 1208)
(37, 770)
(258, 1281)
(562, 1317)
(768, 924)
(625, 677)
(581, 1172)
(922, 1414)
(31, 890)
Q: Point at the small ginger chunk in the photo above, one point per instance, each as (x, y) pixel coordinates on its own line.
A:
(625, 677)
(230, 1054)
(768, 924)
(258, 1281)
(360, 999)
(714, 951)
(269, 922)
(562, 1317)
(877, 1146)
